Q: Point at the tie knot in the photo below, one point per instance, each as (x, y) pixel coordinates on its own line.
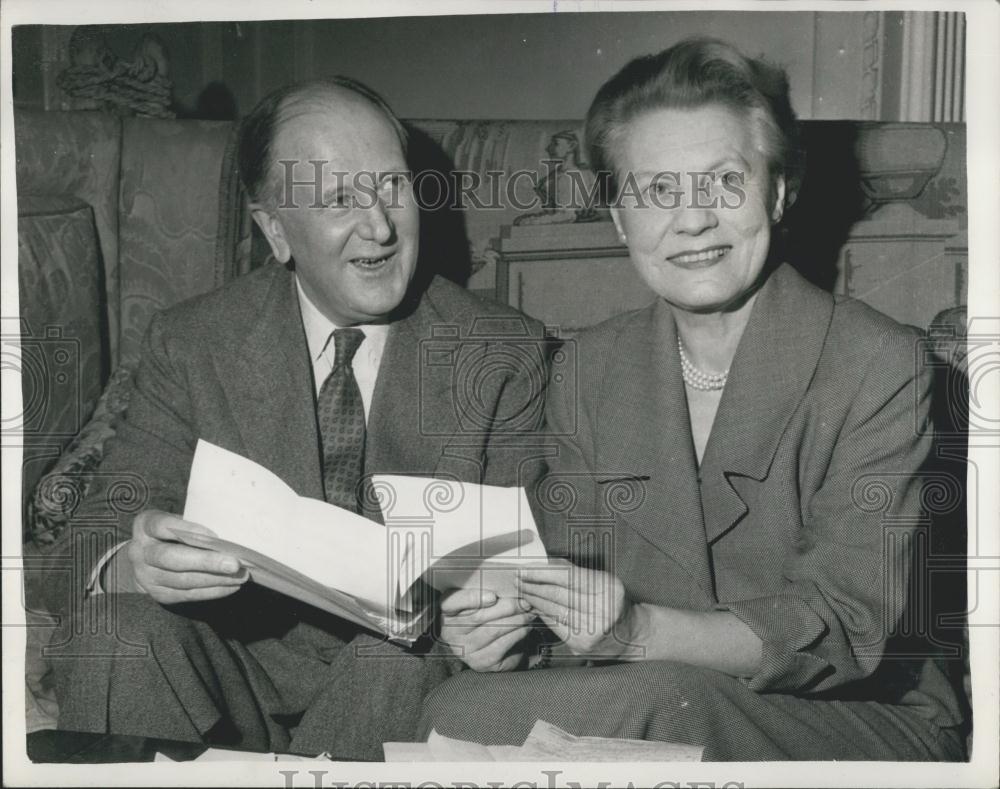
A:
(345, 344)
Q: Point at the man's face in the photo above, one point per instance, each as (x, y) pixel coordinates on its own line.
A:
(355, 250)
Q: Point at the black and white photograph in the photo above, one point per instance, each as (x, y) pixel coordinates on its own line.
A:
(537, 394)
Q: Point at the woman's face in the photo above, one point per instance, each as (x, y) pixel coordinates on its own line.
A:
(696, 204)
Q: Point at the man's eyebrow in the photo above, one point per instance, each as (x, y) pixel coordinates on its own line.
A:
(334, 192)
(733, 158)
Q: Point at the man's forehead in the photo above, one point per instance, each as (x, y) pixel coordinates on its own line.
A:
(332, 109)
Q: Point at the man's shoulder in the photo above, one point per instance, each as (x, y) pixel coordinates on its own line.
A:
(238, 304)
(453, 304)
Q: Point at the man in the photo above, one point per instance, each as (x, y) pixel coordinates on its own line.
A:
(312, 366)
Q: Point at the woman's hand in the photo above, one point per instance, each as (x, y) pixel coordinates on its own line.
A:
(587, 609)
(483, 629)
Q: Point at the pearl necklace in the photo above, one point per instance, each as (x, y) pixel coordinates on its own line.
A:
(698, 379)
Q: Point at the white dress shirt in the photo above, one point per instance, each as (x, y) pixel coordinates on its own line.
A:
(319, 340)
(319, 337)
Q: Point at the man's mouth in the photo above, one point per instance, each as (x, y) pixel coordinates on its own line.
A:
(373, 263)
(701, 257)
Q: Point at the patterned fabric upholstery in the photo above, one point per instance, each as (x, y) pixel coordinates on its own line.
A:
(61, 326)
(169, 218)
(172, 204)
(77, 155)
(65, 486)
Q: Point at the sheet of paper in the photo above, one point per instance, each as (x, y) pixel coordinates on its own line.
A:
(456, 528)
(462, 513)
(407, 752)
(225, 755)
(447, 749)
(244, 503)
(547, 742)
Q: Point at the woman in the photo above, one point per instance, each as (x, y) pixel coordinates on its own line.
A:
(749, 448)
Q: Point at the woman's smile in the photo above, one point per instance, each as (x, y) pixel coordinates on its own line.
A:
(702, 258)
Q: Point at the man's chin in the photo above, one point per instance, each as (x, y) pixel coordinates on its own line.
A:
(378, 310)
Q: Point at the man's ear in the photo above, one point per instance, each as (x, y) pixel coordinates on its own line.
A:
(778, 209)
(270, 226)
(616, 218)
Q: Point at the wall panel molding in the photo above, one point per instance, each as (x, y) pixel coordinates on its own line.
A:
(933, 67)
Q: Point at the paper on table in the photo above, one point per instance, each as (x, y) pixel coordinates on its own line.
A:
(244, 503)
(446, 749)
(545, 743)
(224, 755)
(407, 752)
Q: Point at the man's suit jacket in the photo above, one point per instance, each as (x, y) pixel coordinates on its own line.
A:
(801, 516)
(232, 367)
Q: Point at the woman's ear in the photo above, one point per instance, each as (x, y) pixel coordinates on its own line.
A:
(270, 226)
(778, 209)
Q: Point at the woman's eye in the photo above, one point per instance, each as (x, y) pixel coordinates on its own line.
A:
(731, 178)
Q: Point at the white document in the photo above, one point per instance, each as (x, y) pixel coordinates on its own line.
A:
(460, 534)
(245, 504)
(545, 743)
(348, 565)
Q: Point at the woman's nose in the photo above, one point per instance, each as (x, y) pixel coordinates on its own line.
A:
(694, 219)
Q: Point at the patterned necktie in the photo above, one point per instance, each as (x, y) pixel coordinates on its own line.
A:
(340, 412)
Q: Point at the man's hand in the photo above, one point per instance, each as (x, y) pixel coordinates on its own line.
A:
(482, 629)
(586, 609)
(171, 572)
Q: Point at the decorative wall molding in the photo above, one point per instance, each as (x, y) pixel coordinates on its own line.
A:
(872, 46)
(933, 67)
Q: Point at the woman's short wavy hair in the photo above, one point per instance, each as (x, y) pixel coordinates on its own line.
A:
(694, 73)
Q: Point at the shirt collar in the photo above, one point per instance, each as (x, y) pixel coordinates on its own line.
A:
(319, 329)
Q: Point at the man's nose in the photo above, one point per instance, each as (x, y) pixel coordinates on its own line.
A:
(376, 223)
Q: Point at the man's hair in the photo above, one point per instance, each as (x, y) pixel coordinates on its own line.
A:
(260, 128)
(689, 75)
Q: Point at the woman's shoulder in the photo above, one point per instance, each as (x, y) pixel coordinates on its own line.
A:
(857, 324)
(603, 342)
(608, 331)
(866, 345)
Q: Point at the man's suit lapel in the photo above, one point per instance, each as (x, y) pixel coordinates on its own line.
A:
(401, 430)
(646, 418)
(774, 364)
(268, 380)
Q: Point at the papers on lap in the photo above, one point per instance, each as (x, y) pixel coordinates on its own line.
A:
(441, 532)
(545, 743)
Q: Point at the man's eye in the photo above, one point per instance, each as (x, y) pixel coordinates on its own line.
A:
(394, 181)
(338, 201)
(662, 186)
